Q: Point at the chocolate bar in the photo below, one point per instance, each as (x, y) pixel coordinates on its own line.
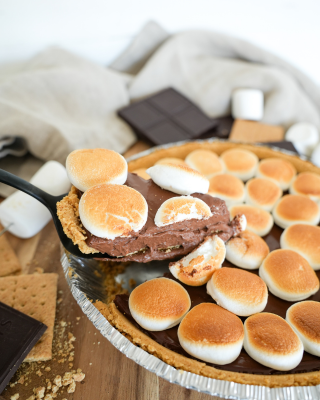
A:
(18, 334)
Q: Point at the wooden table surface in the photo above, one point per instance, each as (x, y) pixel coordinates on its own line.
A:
(110, 375)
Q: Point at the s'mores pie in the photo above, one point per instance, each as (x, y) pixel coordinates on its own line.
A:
(90, 167)
(205, 161)
(247, 250)
(304, 318)
(181, 208)
(142, 172)
(305, 240)
(307, 184)
(171, 160)
(288, 275)
(178, 179)
(280, 171)
(228, 188)
(263, 193)
(259, 221)
(197, 267)
(211, 333)
(240, 163)
(159, 304)
(294, 209)
(238, 291)
(271, 341)
(110, 210)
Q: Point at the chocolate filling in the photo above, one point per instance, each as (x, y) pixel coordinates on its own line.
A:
(244, 363)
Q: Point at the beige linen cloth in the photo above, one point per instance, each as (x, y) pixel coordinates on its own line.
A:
(60, 102)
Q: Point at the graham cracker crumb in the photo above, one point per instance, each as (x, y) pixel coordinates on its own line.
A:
(78, 377)
(39, 392)
(72, 387)
(67, 379)
(57, 381)
(15, 396)
(55, 388)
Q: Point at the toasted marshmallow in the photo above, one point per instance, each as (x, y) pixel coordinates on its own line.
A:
(178, 179)
(205, 161)
(258, 221)
(212, 334)
(263, 193)
(305, 240)
(247, 250)
(142, 172)
(288, 275)
(90, 167)
(228, 188)
(304, 319)
(238, 291)
(271, 341)
(159, 304)
(240, 163)
(196, 268)
(109, 211)
(307, 184)
(181, 208)
(294, 209)
(280, 171)
(171, 160)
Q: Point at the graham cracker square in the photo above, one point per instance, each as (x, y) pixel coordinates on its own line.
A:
(34, 295)
(255, 132)
(9, 262)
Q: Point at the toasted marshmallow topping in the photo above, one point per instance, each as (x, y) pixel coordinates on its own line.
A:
(109, 210)
(159, 304)
(288, 275)
(247, 250)
(181, 208)
(178, 179)
(271, 341)
(228, 188)
(263, 193)
(171, 160)
(142, 172)
(305, 240)
(196, 268)
(211, 333)
(205, 161)
(304, 319)
(90, 167)
(240, 292)
(280, 171)
(292, 209)
(240, 163)
(258, 221)
(307, 184)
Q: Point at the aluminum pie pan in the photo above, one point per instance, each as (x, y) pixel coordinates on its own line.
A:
(85, 284)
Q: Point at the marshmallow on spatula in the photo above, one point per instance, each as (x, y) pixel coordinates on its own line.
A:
(178, 179)
(196, 268)
(304, 137)
(26, 214)
(247, 104)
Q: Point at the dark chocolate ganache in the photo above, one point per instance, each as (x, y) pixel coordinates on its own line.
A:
(244, 363)
(167, 242)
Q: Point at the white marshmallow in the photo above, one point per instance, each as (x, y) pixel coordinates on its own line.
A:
(304, 137)
(178, 179)
(247, 104)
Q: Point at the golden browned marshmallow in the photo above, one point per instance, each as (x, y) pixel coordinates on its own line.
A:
(142, 172)
(196, 268)
(171, 160)
(228, 188)
(109, 210)
(304, 318)
(280, 171)
(211, 333)
(307, 184)
(205, 161)
(240, 163)
(238, 291)
(288, 275)
(305, 240)
(159, 304)
(293, 209)
(259, 221)
(90, 167)
(247, 250)
(263, 193)
(271, 341)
